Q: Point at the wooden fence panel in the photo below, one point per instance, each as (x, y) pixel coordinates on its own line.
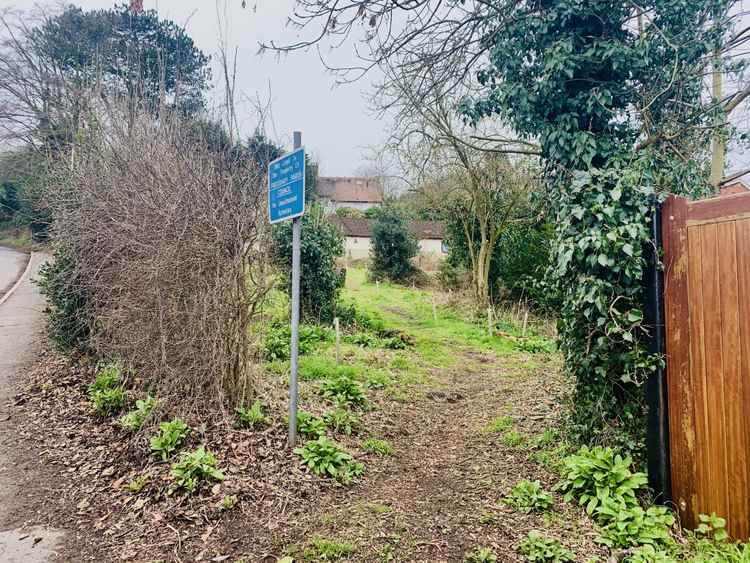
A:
(707, 306)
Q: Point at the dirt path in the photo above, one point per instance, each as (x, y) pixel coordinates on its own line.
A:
(440, 495)
(20, 324)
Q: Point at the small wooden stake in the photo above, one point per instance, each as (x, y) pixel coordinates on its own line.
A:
(338, 339)
(525, 322)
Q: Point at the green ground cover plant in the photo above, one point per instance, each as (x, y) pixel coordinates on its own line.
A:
(195, 468)
(343, 421)
(343, 390)
(310, 425)
(252, 417)
(106, 394)
(133, 420)
(539, 549)
(480, 555)
(528, 496)
(382, 448)
(327, 549)
(170, 437)
(326, 458)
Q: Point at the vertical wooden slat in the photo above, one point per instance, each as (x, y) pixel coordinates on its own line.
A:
(731, 375)
(702, 499)
(713, 359)
(743, 303)
(680, 389)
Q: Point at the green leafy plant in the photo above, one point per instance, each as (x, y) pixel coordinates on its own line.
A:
(325, 457)
(228, 502)
(383, 448)
(105, 393)
(363, 339)
(310, 425)
(170, 437)
(343, 421)
(539, 549)
(512, 439)
(278, 339)
(195, 468)
(343, 389)
(626, 526)
(133, 420)
(326, 549)
(500, 424)
(712, 526)
(137, 484)
(528, 496)
(252, 417)
(481, 555)
(535, 345)
(378, 380)
(594, 475)
(649, 554)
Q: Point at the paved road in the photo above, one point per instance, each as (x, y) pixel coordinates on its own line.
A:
(20, 324)
(12, 263)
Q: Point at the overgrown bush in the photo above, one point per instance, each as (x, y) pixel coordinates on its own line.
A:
(393, 248)
(321, 281)
(68, 318)
(162, 240)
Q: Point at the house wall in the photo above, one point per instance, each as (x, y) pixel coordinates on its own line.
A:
(429, 258)
(332, 206)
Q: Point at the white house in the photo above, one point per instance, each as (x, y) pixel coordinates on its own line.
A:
(357, 193)
(358, 240)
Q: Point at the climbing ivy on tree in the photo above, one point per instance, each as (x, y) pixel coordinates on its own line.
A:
(606, 90)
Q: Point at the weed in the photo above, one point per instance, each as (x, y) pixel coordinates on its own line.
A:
(547, 438)
(194, 468)
(310, 425)
(400, 362)
(250, 418)
(378, 380)
(324, 457)
(500, 425)
(594, 474)
(137, 484)
(325, 549)
(712, 527)
(170, 437)
(314, 368)
(536, 345)
(628, 526)
(528, 496)
(343, 389)
(278, 338)
(481, 555)
(228, 502)
(538, 549)
(648, 554)
(512, 439)
(105, 393)
(487, 518)
(378, 508)
(133, 420)
(362, 339)
(343, 421)
(383, 448)
(108, 401)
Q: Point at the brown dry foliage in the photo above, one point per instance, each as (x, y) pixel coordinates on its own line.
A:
(168, 240)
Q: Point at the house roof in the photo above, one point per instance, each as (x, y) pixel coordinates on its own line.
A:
(350, 189)
(362, 228)
(736, 187)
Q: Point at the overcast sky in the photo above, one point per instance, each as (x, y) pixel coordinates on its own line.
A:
(334, 120)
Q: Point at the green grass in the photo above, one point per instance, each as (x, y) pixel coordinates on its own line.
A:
(411, 310)
(500, 424)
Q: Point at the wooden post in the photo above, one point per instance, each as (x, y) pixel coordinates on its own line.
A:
(525, 321)
(338, 339)
(490, 328)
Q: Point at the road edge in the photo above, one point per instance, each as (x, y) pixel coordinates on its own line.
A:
(20, 279)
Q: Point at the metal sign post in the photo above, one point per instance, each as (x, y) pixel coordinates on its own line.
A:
(286, 200)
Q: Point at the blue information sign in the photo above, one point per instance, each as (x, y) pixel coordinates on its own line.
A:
(286, 186)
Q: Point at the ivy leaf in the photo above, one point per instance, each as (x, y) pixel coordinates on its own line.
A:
(628, 249)
(603, 260)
